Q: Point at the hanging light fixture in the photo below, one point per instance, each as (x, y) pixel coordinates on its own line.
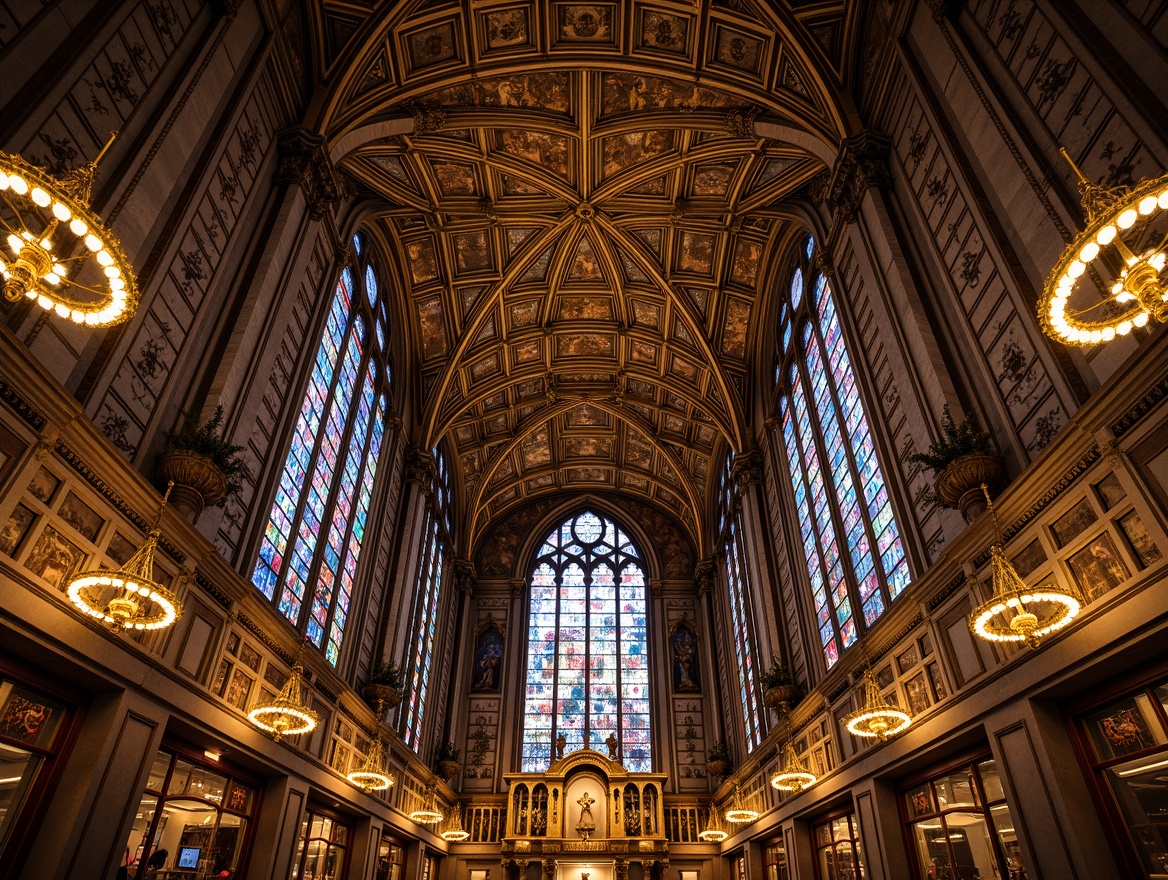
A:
(370, 776)
(428, 813)
(715, 831)
(286, 714)
(454, 832)
(877, 718)
(1016, 612)
(794, 775)
(1139, 292)
(740, 812)
(59, 254)
(129, 598)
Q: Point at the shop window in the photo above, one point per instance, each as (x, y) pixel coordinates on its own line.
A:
(390, 860)
(194, 821)
(838, 855)
(959, 825)
(775, 860)
(323, 850)
(33, 733)
(1124, 746)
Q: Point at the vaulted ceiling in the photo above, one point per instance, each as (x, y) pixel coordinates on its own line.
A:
(586, 219)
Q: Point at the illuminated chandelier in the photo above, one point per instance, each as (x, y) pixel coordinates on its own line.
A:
(794, 775)
(1016, 612)
(454, 832)
(60, 255)
(428, 813)
(1138, 294)
(877, 718)
(740, 813)
(286, 714)
(129, 598)
(715, 831)
(370, 776)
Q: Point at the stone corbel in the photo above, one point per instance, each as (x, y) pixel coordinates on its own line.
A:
(862, 163)
(465, 577)
(304, 162)
(704, 576)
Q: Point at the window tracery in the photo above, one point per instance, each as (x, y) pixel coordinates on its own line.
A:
(587, 653)
(326, 483)
(840, 494)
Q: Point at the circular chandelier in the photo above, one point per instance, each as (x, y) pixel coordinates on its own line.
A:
(369, 776)
(286, 714)
(1139, 293)
(794, 775)
(715, 831)
(59, 254)
(1016, 612)
(740, 812)
(454, 832)
(428, 813)
(877, 718)
(129, 598)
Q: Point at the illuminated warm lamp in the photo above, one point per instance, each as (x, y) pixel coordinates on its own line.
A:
(794, 775)
(370, 776)
(428, 813)
(877, 718)
(129, 598)
(1016, 612)
(454, 832)
(715, 831)
(740, 812)
(286, 714)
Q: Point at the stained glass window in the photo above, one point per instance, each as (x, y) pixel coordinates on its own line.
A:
(426, 603)
(587, 648)
(309, 551)
(737, 581)
(856, 563)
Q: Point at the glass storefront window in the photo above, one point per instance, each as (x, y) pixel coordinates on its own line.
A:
(838, 854)
(776, 862)
(191, 823)
(1126, 753)
(321, 853)
(960, 826)
(390, 861)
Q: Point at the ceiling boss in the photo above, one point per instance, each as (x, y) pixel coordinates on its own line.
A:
(58, 253)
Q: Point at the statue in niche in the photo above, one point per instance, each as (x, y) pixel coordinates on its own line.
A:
(487, 656)
(613, 747)
(683, 645)
(587, 824)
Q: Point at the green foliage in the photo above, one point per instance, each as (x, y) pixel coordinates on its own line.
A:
(720, 752)
(206, 439)
(388, 674)
(956, 441)
(777, 676)
(447, 752)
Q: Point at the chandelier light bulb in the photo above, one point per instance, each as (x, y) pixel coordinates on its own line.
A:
(286, 714)
(877, 718)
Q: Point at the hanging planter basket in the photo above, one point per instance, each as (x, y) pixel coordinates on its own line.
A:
(959, 485)
(198, 483)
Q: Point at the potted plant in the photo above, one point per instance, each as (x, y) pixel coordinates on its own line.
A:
(963, 459)
(446, 761)
(718, 760)
(205, 468)
(779, 688)
(384, 685)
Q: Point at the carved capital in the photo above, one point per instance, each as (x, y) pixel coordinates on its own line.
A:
(746, 470)
(304, 162)
(549, 869)
(622, 869)
(704, 575)
(465, 576)
(421, 468)
(862, 163)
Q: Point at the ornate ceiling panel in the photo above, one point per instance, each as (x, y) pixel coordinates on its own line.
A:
(585, 218)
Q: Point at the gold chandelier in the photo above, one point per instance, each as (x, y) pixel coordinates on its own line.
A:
(794, 775)
(129, 598)
(877, 718)
(454, 832)
(61, 256)
(740, 812)
(1139, 292)
(715, 831)
(286, 714)
(1016, 612)
(370, 776)
(428, 813)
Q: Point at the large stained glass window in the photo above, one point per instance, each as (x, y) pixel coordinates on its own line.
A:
(587, 648)
(741, 628)
(426, 604)
(856, 563)
(312, 543)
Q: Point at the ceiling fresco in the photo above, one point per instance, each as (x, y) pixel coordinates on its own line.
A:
(587, 242)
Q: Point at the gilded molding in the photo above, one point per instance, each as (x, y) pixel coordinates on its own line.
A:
(896, 639)
(256, 630)
(935, 600)
(208, 587)
(20, 406)
(1141, 408)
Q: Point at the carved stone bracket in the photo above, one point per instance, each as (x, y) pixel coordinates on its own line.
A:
(465, 577)
(746, 470)
(421, 468)
(304, 162)
(549, 869)
(704, 576)
(862, 163)
(621, 869)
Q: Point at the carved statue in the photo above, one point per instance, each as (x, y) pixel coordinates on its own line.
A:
(561, 744)
(613, 747)
(587, 824)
